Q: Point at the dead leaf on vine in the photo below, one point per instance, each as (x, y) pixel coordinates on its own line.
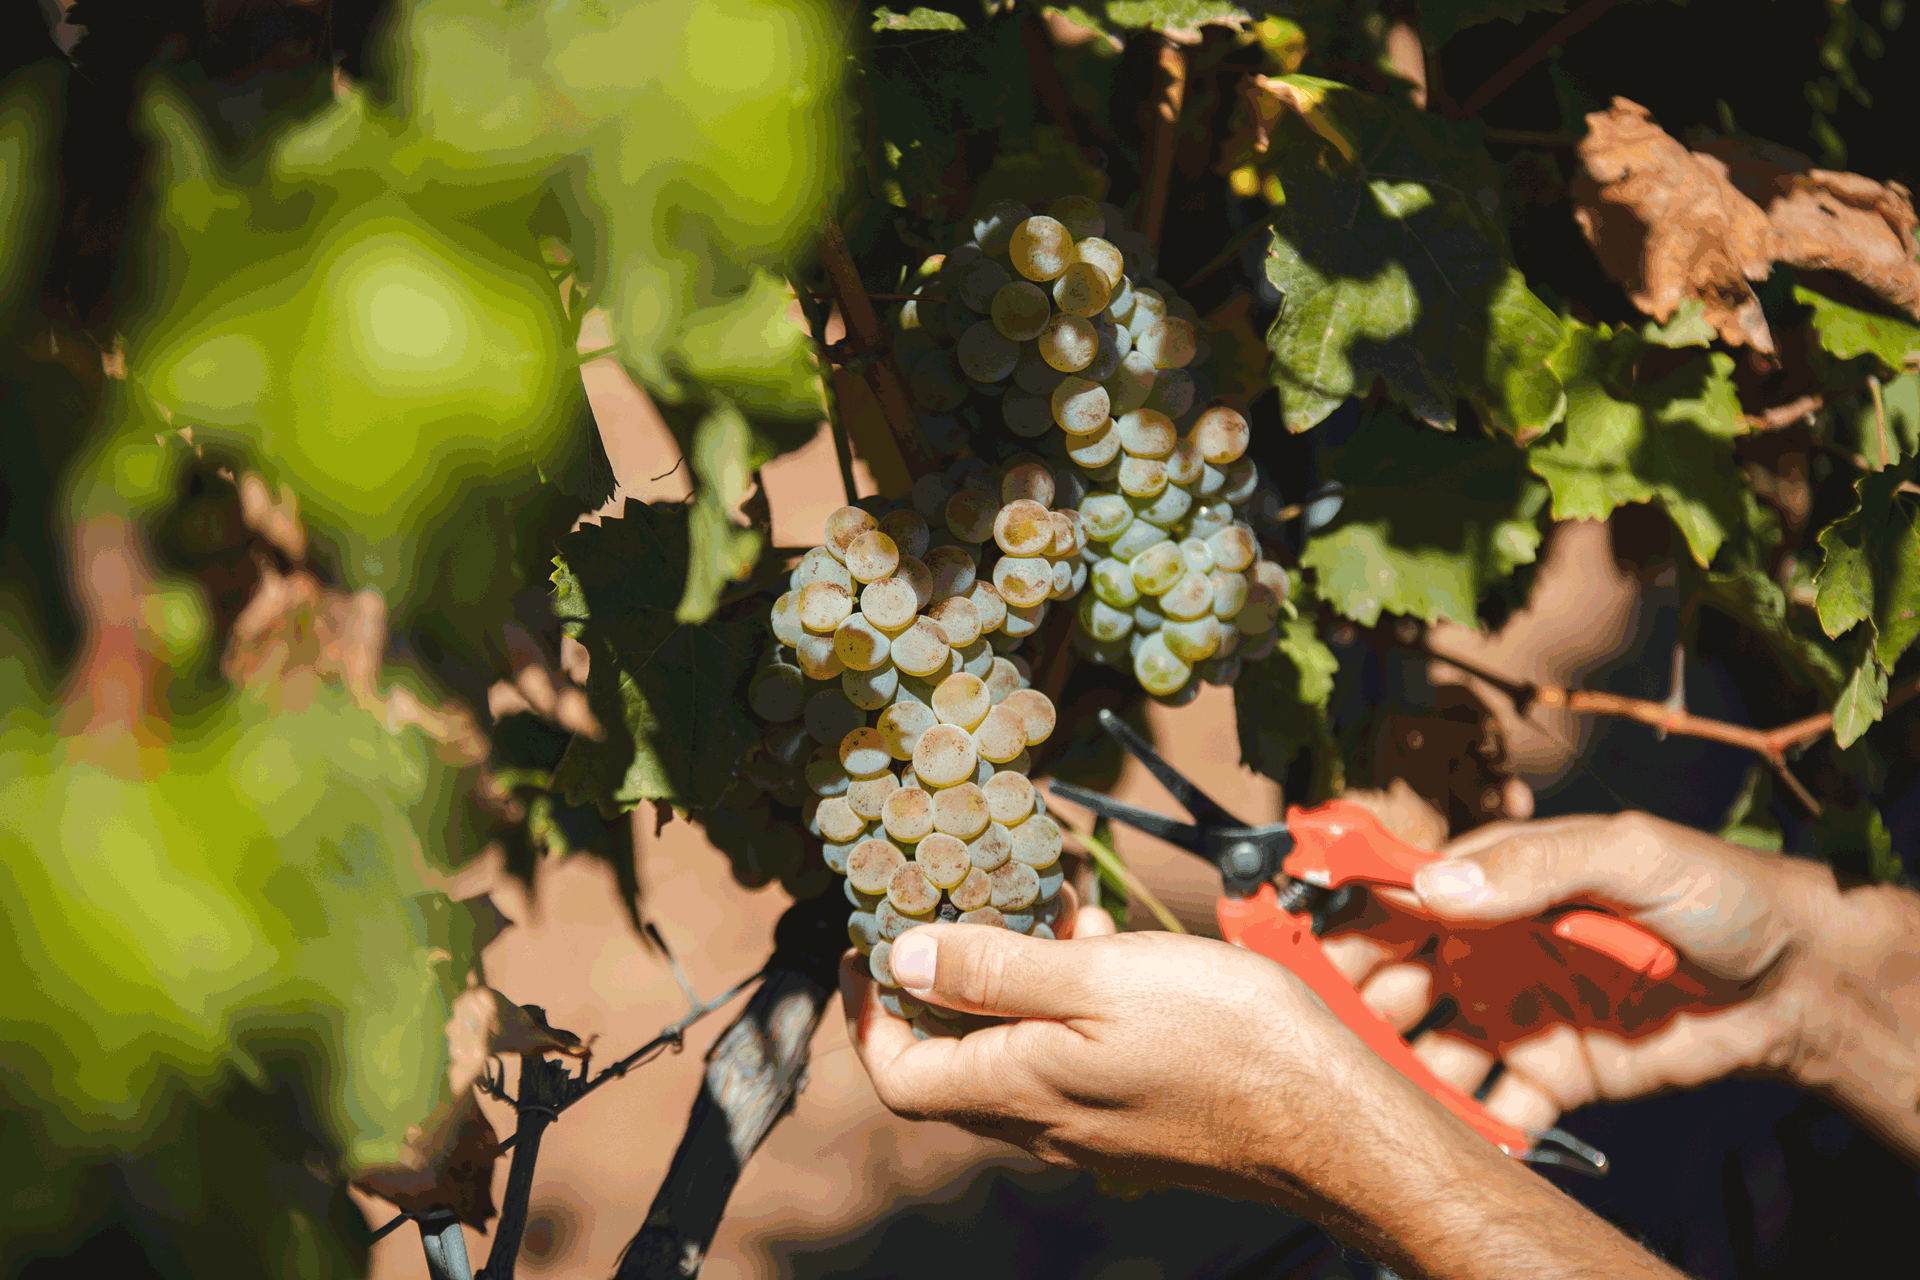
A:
(449, 1161)
(1672, 224)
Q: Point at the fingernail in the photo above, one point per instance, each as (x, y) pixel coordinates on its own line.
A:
(1453, 883)
(913, 960)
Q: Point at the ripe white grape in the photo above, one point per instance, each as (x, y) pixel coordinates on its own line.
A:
(778, 692)
(958, 619)
(942, 862)
(1189, 598)
(902, 724)
(979, 281)
(971, 893)
(1102, 256)
(1132, 384)
(921, 649)
(1148, 306)
(907, 814)
(1165, 509)
(889, 604)
(872, 556)
(863, 753)
(1041, 248)
(985, 355)
(960, 811)
(909, 531)
(944, 755)
(1156, 666)
(992, 608)
(911, 892)
(1068, 343)
(1014, 884)
(1009, 798)
(936, 382)
(1081, 290)
(1137, 537)
(1169, 342)
(1142, 477)
(1019, 310)
(1146, 434)
(1193, 641)
(962, 700)
(990, 850)
(1022, 528)
(825, 775)
(1079, 214)
(868, 796)
(871, 865)
(843, 526)
(1222, 434)
(1036, 843)
(1101, 620)
(993, 226)
(1033, 374)
(1234, 548)
(1036, 712)
(1023, 581)
(1000, 736)
(970, 517)
(1095, 448)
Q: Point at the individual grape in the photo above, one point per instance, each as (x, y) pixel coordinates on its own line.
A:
(1080, 406)
(1242, 478)
(991, 849)
(1222, 434)
(1157, 668)
(1158, 567)
(1142, 477)
(787, 742)
(891, 922)
(1184, 464)
(817, 658)
(1113, 583)
(1102, 256)
(868, 796)
(942, 860)
(902, 724)
(889, 604)
(958, 620)
(1189, 598)
(1110, 349)
(973, 892)
(777, 692)
(878, 964)
(1026, 415)
(989, 606)
(872, 556)
(1040, 248)
(984, 915)
(1031, 480)
(1023, 580)
(1234, 548)
(819, 565)
(1079, 214)
(1022, 528)
(863, 752)
(1197, 554)
(871, 866)
(1132, 384)
(1036, 843)
(1082, 290)
(1064, 586)
(837, 819)
(1101, 620)
(1191, 641)
(1036, 712)
(986, 355)
(930, 494)
(993, 226)
(1148, 306)
(1067, 343)
(1138, 536)
(952, 570)
(962, 700)
(1000, 736)
(1069, 533)
(824, 606)
(785, 619)
(1107, 515)
(825, 775)
(1009, 798)
(960, 811)
(861, 645)
(1020, 311)
(936, 382)
(843, 526)
(1014, 885)
(1033, 374)
(1096, 448)
(1165, 509)
(979, 281)
(912, 892)
(921, 649)
(944, 755)
(970, 517)
(1147, 434)
(1229, 594)
(1003, 680)
(907, 814)
(863, 931)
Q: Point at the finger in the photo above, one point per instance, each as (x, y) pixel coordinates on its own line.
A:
(1066, 922)
(1399, 993)
(1460, 1064)
(1094, 922)
(1723, 904)
(1356, 955)
(981, 969)
(1691, 1050)
(878, 1037)
(1403, 812)
(1520, 1103)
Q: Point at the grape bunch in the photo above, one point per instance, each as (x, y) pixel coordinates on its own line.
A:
(899, 716)
(1086, 354)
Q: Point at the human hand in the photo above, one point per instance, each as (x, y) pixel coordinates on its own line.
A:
(1787, 962)
(1156, 1056)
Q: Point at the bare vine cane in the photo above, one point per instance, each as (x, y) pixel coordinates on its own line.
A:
(868, 350)
(1169, 97)
(754, 1072)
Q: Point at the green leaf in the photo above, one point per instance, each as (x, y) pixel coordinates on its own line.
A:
(1427, 523)
(1746, 593)
(1887, 426)
(918, 19)
(1393, 266)
(1172, 15)
(1280, 704)
(1848, 332)
(1871, 572)
(1688, 327)
(670, 694)
(1854, 836)
(1861, 703)
(1750, 819)
(1668, 441)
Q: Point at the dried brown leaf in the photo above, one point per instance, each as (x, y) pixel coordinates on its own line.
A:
(1672, 224)
(1669, 226)
(449, 1162)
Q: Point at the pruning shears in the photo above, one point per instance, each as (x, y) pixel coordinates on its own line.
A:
(1317, 852)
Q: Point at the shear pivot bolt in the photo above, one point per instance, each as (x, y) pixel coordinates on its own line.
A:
(1245, 858)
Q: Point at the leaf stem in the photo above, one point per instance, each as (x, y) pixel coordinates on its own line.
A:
(1555, 36)
(1109, 862)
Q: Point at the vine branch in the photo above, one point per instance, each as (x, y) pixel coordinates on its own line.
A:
(1670, 717)
(1169, 97)
(1555, 36)
(869, 338)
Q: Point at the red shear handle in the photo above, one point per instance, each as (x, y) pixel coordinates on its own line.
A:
(1341, 843)
(1258, 924)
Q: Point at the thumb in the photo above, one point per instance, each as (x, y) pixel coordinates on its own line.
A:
(977, 968)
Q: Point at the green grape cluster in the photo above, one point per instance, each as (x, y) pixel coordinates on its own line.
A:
(900, 718)
(1086, 353)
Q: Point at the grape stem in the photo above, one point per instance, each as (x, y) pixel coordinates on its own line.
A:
(1771, 745)
(817, 325)
(868, 337)
(1110, 862)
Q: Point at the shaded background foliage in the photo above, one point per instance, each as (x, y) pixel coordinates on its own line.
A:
(192, 203)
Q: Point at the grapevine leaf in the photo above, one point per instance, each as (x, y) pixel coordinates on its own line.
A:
(1668, 441)
(1848, 332)
(1887, 427)
(1861, 703)
(669, 693)
(1391, 265)
(1427, 523)
(1280, 704)
(1748, 594)
(1750, 819)
(1872, 568)
(1857, 836)
(917, 19)
(1687, 328)
(1172, 15)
